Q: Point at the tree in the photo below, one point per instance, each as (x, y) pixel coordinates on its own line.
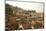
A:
(8, 9)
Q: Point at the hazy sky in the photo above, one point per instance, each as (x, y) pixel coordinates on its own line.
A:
(27, 5)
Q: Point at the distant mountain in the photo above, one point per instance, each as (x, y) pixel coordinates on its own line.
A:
(9, 9)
